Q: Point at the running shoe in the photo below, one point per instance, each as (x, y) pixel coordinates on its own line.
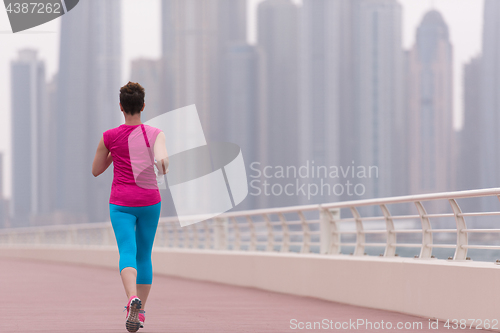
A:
(142, 318)
(133, 307)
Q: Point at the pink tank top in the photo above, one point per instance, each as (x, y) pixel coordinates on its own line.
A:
(134, 180)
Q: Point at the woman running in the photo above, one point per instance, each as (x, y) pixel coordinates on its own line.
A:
(135, 200)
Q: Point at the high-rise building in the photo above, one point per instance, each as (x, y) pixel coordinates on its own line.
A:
(278, 37)
(352, 93)
(327, 118)
(4, 203)
(195, 37)
(245, 93)
(28, 101)
(1, 176)
(432, 159)
(470, 136)
(89, 81)
(401, 163)
(379, 89)
(147, 72)
(48, 150)
(469, 170)
(490, 99)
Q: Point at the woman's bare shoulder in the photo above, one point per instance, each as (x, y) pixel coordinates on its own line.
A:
(114, 129)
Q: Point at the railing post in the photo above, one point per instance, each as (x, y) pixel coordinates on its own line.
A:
(206, 231)
(285, 246)
(10, 238)
(185, 235)
(426, 250)
(196, 241)
(306, 237)
(169, 240)
(462, 239)
(175, 232)
(38, 237)
(270, 233)
(237, 237)
(111, 240)
(42, 237)
(253, 235)
(390, 249)
(329, 236)
(160, 236)
(71, 236)
(360, 235)
(167, 235)
(220, 233)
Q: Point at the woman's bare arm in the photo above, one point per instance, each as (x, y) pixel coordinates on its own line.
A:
(102, 159)
(161, 155)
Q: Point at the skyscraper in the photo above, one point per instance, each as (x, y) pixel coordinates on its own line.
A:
(469, 170)
(4, 203)
(1, 176)
(490, 97)
(195, 36)
(278, 37)
(48, 153)
(352, 90)
(28, 101)
(469, 157)
(432, 160)
(327, 118)
(148, 73)
(379, 90)
(88, 88)
(245, 93)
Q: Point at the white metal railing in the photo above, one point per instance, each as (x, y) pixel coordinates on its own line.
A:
(304, 229)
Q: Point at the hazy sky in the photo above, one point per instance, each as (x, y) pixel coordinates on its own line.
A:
(141, 38)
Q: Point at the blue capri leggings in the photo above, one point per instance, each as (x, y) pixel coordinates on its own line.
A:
(135, 229)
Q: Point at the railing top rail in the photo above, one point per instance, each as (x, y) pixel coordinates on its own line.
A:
(243, 213)
(413, 198)
(202, 217)
(370, 202)
(56, 227)
(290, 209)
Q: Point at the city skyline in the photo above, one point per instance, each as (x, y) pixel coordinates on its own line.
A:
(466, 45)
(49, 79)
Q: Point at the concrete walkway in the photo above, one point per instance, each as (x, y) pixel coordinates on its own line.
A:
(51, 297)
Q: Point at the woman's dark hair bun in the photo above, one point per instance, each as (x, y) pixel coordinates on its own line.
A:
(132, 97)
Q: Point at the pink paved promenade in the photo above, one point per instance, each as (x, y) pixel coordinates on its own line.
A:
(51, 297)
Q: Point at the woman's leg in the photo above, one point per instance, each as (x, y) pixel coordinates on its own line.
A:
(147, 223)
(129, 276)
(143, 293)
(124, 228)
